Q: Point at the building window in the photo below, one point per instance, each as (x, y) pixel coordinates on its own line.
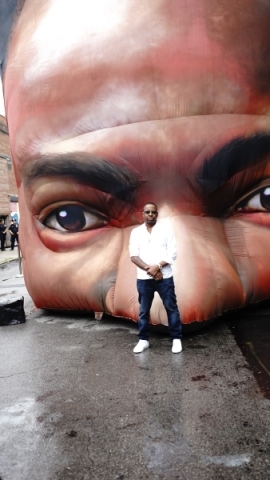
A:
(8, 160)
(9, 165)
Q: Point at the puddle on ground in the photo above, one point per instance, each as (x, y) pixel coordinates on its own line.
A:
(252, 334)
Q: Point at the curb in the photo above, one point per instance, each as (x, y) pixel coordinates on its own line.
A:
(4, 262)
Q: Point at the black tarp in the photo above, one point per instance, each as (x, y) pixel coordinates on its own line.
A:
(12, 311)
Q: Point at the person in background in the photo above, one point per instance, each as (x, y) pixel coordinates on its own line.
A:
(14, 233)
(3, 231)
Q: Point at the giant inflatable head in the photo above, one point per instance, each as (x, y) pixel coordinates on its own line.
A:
(112, 103)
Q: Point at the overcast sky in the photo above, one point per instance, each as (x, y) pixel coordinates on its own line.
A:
(2, 110)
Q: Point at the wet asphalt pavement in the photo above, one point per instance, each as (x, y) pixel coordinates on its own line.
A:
(76, 403)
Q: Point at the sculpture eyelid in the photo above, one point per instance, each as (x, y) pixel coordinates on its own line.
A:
(49, 210)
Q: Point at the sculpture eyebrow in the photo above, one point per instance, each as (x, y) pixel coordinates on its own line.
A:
(95, 172)
(234, 157)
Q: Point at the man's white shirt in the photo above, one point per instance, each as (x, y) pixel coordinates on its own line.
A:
(153, 248)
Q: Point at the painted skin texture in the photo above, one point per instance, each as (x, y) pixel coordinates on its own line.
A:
(119, 104)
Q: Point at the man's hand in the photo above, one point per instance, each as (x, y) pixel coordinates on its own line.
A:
(158, 276)
(153, 270)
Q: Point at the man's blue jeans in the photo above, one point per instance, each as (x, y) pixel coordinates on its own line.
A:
(165, 289)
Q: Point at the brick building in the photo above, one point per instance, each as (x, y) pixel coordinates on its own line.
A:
(8, 187)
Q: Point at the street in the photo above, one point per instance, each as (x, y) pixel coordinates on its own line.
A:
(76, 403)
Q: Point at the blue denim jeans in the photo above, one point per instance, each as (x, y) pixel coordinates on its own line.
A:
(165, 289)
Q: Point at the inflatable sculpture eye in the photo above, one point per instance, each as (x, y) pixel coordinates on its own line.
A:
(258, 201)
(73, 218)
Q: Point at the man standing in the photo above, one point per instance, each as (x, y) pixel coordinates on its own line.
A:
(3, 231)
(13, 228)
(153, 249)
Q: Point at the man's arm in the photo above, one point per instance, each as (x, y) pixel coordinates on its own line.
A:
(139, 263)
(134, 251)
(152, 271)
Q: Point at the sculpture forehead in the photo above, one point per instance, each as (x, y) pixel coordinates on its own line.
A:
(88, 25)
(172, 38)
(117, 63)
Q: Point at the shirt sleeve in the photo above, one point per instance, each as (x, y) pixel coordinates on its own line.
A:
(171, 247)
(133, 244)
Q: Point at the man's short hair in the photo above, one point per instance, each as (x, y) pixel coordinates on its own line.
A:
(150, 203)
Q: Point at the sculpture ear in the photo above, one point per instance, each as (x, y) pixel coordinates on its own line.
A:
(9, 10)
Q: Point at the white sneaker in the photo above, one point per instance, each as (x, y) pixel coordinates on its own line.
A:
(176, 345)
(141, 346)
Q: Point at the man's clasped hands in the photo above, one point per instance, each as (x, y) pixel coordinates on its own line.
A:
(154, 272)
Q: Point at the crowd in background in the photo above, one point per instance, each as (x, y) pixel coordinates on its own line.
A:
(12, 230)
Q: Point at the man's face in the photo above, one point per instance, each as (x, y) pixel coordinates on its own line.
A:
(111, 103)
(150, 214)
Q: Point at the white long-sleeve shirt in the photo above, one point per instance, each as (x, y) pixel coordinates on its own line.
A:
(153, 248)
